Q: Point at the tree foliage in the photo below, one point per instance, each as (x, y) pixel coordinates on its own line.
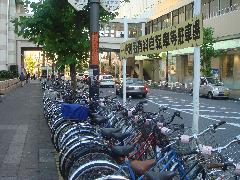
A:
(30, 64)
(60, 30)
(208, 51)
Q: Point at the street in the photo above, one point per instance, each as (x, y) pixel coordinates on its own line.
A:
(211, 111)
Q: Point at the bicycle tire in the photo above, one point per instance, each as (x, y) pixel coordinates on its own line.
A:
(93, 170)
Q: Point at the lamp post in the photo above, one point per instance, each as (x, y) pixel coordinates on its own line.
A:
(94, 45)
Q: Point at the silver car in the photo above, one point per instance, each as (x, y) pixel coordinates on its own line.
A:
(135, 87)
(213, 88)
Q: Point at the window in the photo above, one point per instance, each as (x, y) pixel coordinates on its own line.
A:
(205, 9)
(235, 2)
(155, 25)
(160, 23)
(175, 17)
(181, 15)
(224, 6)
(134, 30)
(213, 6)
(189, 11)
(166, 21)
(148, 25)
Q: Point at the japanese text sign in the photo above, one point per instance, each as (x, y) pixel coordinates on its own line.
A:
(187, 34)
(110, 5)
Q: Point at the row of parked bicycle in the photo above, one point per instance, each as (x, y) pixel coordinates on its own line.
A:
(101, 139)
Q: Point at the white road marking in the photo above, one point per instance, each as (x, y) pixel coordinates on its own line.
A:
(203, 116)
(225, 117)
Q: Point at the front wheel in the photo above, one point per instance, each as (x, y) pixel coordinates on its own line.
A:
(94, 170)
(210, 95)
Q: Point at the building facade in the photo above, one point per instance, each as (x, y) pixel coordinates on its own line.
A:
(223, 16)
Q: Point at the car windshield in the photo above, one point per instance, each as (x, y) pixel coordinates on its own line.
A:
(134, 81)
(213, 81)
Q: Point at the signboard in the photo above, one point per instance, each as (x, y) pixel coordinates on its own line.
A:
(94, 48)
(187, 34)
(78, 4)
(110, 5)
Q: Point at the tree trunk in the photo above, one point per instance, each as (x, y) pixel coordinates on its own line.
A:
(73, 78)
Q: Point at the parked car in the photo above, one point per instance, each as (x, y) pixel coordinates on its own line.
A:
(106, 81)
(134, 87)
(213, 88)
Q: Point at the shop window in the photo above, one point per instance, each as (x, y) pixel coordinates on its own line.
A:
(189, 11)
(228, 66)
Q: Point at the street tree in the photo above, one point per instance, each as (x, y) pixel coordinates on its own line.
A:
(62, 31)
(207, 51)
(30, 64)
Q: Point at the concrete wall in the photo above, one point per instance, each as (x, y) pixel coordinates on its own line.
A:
(11, 54)
(226, 25)
(3, 34)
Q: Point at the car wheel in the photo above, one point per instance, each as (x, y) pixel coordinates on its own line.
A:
(210, 95)
(144, 95)
(191, 92)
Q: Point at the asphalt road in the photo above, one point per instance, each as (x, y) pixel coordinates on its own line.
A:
(211, 111)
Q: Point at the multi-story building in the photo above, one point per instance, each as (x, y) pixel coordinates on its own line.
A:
(144, 17)
(222, 15)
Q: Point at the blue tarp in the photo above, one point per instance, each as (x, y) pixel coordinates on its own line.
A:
(74, 111)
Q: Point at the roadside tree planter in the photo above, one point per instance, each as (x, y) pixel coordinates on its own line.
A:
(7, 85)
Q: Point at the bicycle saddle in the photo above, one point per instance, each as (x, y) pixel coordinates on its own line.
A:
(151, 175)
(120, 136)
(122, 151)
(99, 121)
(140, 167)
(107, 132)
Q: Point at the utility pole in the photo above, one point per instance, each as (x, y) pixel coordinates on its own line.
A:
(167, 70)
(196, 79)
(124, 63)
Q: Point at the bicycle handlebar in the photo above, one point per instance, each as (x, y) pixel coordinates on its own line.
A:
(215, 126)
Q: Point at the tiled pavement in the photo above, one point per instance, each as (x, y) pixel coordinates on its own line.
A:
(26, 152)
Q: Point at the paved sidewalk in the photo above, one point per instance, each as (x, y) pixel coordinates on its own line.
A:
(235, 94)
(26, 152)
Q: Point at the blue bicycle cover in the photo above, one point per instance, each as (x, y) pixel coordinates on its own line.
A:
(74, 111)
